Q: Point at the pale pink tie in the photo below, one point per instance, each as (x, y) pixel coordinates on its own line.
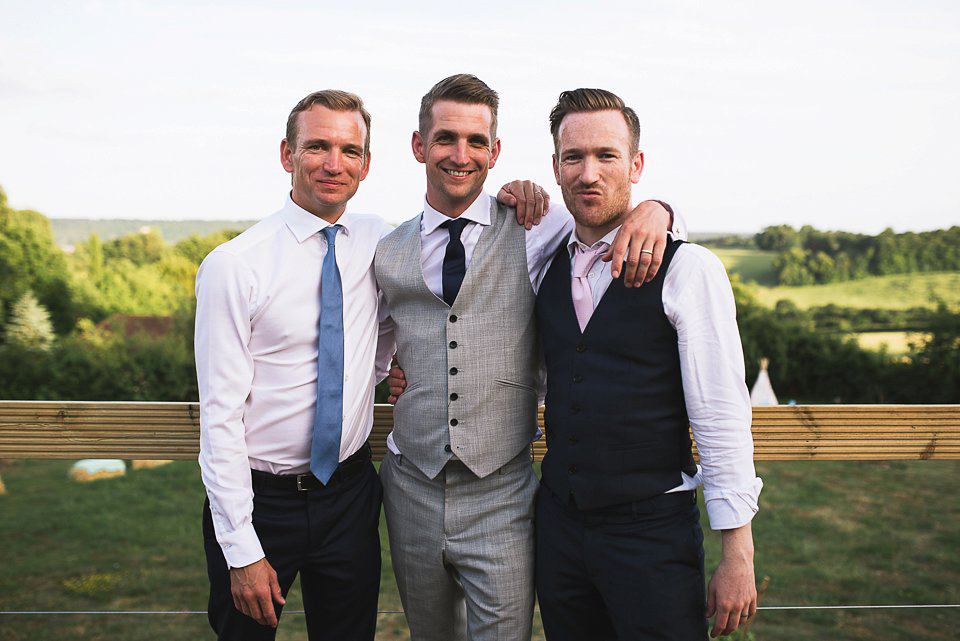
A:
(583, 260)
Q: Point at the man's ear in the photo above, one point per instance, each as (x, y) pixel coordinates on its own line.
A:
(556, 168)
(418, 149)
(366, 166)
(286, 156)
(636, 167)
(494, 153)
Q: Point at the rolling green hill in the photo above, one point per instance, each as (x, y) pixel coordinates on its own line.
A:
(751, 265)
(900, 291)
(67, 232)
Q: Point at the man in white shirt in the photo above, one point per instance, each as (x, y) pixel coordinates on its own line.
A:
(459, 278)
(619, 551)
(259, 348)
(279, 504)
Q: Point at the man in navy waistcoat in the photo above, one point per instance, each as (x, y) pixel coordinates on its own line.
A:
(619, 549)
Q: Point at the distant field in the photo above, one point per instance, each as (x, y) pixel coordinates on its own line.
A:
(752, 265)
(901, 291)
(895, 342)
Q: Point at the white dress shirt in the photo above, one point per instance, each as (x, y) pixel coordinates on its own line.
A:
(258, 301)
(542, 242)
(698, 302)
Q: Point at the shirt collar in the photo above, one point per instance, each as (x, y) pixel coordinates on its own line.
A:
(573, 241)
(478, 212)
(303, 224)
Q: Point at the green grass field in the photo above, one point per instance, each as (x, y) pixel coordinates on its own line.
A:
(880, 292)
(751, 265)
(896, 343)
(828, 533)
(901, 291)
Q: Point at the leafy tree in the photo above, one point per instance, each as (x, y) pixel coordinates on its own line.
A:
(777, 238)
(195, 248)
(29, 259)
(29, 324)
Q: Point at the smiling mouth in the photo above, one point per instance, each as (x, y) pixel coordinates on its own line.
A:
(456, 172)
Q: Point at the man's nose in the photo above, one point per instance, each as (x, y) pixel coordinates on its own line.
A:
(460, 155)
(590, 172)
(333, 162)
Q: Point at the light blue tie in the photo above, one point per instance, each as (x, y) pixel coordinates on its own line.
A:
(328, 423)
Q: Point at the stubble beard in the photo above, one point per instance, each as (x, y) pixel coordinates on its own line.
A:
(608, 213)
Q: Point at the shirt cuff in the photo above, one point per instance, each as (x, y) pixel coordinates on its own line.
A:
(730, 508)
(242, 547)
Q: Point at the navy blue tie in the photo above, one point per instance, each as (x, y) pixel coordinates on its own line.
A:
(454, 260)
(328, 423)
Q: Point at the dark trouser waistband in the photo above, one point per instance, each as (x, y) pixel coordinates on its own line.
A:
(626, 511)
(349, 467)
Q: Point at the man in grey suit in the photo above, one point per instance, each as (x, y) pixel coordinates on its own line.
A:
(458, 279)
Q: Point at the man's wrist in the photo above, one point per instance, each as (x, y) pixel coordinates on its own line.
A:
(669, 211)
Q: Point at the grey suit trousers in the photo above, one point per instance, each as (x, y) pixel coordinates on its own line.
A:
(462, 549)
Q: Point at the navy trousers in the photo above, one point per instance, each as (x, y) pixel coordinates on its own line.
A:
(633, 572)
(330, 537)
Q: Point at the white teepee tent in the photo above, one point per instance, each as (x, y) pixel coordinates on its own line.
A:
(762, 392)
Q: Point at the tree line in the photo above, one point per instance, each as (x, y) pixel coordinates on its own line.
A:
(73, 326)
(809, 256)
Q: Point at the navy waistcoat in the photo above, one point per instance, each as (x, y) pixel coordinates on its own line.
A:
(615, 416)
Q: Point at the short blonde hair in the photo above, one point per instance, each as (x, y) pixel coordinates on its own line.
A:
(334, 99)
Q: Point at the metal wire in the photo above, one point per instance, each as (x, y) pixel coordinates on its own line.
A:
(764, 607)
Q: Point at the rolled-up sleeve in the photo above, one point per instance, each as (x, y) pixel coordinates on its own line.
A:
(699, 301)
(225, 297)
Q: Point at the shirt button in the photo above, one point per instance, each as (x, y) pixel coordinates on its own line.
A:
(577, 378)
(453, 318)
(454, 396)
(453, 371)
(453, 344)
(454, 422)
(447, 448)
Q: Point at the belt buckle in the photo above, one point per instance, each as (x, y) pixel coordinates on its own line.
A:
(300, 487)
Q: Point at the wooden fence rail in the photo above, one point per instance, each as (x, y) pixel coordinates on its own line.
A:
(140, 430)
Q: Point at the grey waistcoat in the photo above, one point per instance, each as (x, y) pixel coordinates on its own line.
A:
(471, 369)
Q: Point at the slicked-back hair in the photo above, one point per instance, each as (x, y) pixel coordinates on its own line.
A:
(464, 88)
(586, 100)
(334, 99)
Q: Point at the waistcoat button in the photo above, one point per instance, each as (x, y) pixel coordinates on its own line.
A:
(454, 396)
(453, 371)
(453, 422)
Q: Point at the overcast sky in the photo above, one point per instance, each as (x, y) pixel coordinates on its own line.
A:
(842, 115)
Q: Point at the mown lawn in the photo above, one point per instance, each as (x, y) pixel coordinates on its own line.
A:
(828, 533)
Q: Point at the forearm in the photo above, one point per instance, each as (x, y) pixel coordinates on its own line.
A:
(737, 544)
